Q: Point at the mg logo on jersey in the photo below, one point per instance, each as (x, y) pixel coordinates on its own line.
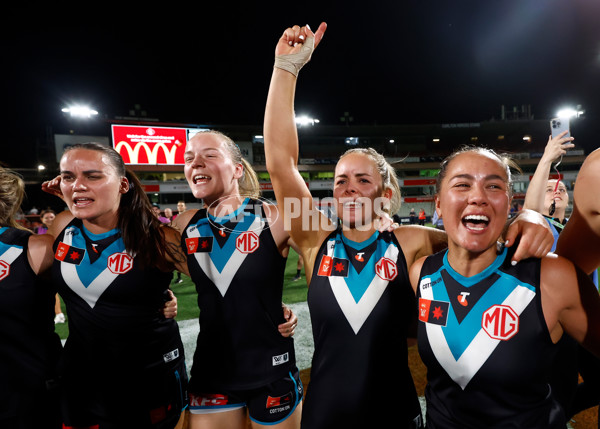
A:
(120, 263)
(500, 322)
(247, 242)
(4, 269)
(386, 269)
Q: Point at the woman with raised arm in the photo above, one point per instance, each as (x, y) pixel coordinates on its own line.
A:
(360, 298)
(29, 348)
(123, 363)
(488, 329)
(236, 247)
(549, 196)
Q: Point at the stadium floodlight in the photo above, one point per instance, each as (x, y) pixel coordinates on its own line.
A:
(569, 112)
(305, 120)
(78, 111)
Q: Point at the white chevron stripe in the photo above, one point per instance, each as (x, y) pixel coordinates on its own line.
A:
(96, 288)
(11, 254)
(223, 279)
(357, 312)
(482, 346)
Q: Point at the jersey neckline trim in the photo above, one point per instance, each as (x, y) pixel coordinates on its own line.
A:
(470, 281)
(359, 245)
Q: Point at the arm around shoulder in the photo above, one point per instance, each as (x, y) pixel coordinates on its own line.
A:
(175, 252)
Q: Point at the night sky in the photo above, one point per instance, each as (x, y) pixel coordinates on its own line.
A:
(392, 62)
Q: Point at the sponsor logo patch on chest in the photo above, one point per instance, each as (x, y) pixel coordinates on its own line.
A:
(120, 263)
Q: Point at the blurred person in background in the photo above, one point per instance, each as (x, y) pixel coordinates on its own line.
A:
(47, 217)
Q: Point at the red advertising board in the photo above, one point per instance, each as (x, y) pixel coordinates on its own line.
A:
(149, 145)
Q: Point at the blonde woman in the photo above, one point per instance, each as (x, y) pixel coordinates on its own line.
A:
(361, 303)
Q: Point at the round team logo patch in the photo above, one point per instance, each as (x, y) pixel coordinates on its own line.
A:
(120, 263)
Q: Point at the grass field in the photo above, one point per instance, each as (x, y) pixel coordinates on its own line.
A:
(187, 306)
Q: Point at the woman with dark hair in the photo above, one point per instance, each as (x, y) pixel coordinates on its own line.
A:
(488, 329)
(29, 348)
(123, 362)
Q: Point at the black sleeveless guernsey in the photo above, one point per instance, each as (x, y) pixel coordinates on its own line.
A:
(238, 272)
(123, 361)
(361, 304)
(29, 348)
(486, 346)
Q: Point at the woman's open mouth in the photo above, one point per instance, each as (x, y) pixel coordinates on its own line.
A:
(475, 222)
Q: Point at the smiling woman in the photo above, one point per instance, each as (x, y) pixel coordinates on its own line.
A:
(488, 328)
(236, 250)
(477, 226)
(360, 299)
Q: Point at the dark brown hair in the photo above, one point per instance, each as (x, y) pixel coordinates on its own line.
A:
(142, 232)
(506, 161)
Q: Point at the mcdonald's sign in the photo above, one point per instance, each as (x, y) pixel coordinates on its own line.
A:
(150, 145)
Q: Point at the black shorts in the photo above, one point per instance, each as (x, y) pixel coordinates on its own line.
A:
(154, 400)
(267, 405)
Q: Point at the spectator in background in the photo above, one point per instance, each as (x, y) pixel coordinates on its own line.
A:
(299, 266)
(422, 217)
(47, 218)
(169, 214)
(412, 216)
(181, 207)
(514, 209)
(549, 196)
(156, 209)
(438, 222)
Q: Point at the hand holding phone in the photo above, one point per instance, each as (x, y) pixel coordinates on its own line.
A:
(558, 125)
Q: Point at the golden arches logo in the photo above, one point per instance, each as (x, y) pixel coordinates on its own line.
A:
(151, 154)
